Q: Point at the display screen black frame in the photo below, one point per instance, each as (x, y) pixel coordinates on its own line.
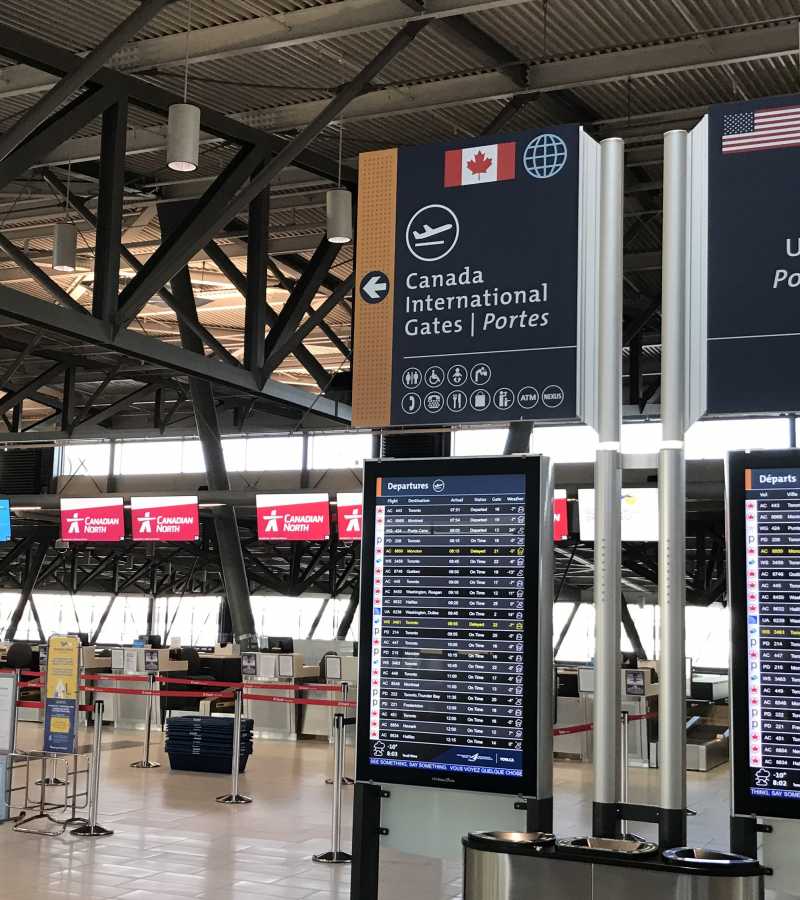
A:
(531, 468)
(744, 803)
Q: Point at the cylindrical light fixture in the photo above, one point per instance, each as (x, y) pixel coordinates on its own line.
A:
(65, 245)
(339, 210)
(183, 137)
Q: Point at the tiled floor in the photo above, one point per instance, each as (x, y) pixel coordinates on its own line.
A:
(173, 842)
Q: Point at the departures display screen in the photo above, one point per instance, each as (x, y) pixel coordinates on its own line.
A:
(448, 639)
(765, 604)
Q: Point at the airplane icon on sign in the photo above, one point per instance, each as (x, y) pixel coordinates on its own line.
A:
(422, 238)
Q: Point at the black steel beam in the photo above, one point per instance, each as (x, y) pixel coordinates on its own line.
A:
(30, 50)
(63, 125)
(518, 439)
(237, 587)
(123, 403)
(299, 301)
(23, 352)
(217, 348)
(298, 264)
(630, 630)
(12, 398)
(94, 638)
(486, 44)
(503, 119)
(314, 319)
(226, 265)
(205, 217)
(205, 224)
(68, 401)
(635, 328)
(28, 584)
(108, 240)
(255, 318)
(27, 124)
(38, 275)
(23, 308)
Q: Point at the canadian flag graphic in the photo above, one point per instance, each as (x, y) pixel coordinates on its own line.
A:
(480, 165)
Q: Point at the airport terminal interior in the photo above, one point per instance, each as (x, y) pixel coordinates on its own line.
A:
(399, 469)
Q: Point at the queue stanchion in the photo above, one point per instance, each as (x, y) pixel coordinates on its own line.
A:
(344, 687)
(92, 829)
(235, 797)
(336, 854)
(145, 762)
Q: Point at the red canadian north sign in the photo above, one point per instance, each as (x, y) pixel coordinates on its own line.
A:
(293, 517)
(349, 514)
(165, 519)
(92, 519)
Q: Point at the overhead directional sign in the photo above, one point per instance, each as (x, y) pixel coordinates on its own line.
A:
(744, 259)
(475, 265)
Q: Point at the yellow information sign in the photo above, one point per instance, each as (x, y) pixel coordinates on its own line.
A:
(63, 667)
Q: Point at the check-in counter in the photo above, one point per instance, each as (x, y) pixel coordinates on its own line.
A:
(279, 721)
(93, 661)
(639, 697)
(317, 721)
(571, 711)
(128, 710)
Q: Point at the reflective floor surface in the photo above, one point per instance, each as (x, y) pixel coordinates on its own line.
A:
(172, 841)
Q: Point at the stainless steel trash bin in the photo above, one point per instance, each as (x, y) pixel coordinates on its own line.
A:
(502, 866)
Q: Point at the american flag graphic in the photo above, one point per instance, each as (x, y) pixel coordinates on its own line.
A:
(763, 129)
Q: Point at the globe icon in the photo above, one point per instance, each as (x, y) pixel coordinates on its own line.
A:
(545, 156)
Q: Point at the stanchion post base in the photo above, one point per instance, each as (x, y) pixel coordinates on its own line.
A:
(145, 764)
(234, 799)
(50, 782)
(91, 831)
(332, 858)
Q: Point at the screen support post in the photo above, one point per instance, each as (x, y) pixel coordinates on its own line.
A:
(672, 500)
(608, 483)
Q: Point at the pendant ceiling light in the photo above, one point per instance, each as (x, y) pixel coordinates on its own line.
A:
(183, 124)
(65, 237)
(339, 208)
(65, 245)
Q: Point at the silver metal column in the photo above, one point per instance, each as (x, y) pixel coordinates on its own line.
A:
(608, 486)
(672, 498)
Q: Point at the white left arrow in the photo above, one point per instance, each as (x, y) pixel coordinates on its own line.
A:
(374, 287)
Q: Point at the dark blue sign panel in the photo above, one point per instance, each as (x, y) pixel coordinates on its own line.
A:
(753, 257)
(468, 297)
(60, 725)
(447, 683)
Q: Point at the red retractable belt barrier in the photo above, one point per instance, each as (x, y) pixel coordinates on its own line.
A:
(588, 726)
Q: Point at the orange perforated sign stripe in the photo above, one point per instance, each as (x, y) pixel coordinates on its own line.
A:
(372, 344)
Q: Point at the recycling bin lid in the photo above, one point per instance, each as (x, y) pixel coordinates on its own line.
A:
(624, 847)
(509, 841)
(707, 859)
